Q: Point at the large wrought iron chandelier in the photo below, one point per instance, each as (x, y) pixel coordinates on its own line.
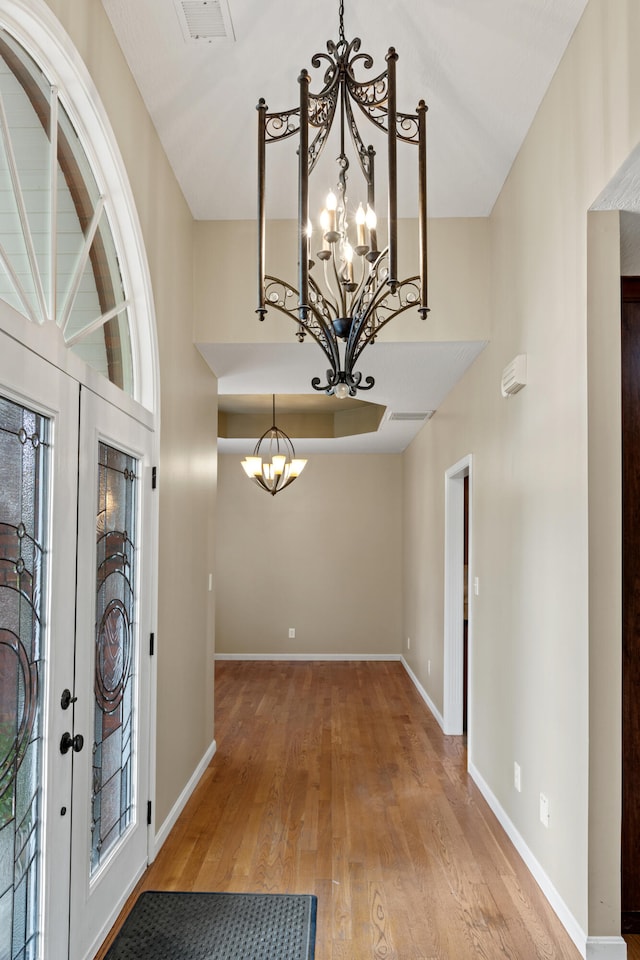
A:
(359, 291)
(274, 464)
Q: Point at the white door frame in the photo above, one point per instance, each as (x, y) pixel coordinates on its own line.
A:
(454, 598)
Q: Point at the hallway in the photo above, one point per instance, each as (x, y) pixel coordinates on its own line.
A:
(333, 778)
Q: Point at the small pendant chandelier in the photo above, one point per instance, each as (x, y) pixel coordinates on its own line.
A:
(359, 291)
(273, 465)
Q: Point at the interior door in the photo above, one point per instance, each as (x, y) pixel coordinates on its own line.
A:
(38, 483)
(630, 409)
(112, 662)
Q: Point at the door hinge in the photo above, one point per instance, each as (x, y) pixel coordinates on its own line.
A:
(148, 813)
(154, 477)
(152, 644)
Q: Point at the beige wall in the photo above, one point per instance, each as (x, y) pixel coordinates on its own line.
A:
(187, 467)
(536, 488)
(323, 556)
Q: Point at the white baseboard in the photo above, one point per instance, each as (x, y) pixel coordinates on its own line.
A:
(592, 948)
(308, 656)
(606, 948)
(423, 693)
(179, 805)
(565, 916)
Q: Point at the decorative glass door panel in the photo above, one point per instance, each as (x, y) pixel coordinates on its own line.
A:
(38, 495)
(24, 454)
(112, 793)
(110, 790)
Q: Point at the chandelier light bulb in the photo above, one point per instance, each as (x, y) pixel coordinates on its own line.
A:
(361, 218)
(252, 466)
(370, 218)
(331, 208)
(341, 390)
(325, 220)
(348, 258)
(277, 464)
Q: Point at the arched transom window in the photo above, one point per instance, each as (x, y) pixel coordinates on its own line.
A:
(58, 259)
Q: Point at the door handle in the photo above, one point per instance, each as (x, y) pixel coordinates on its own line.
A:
(71, 743)
(66, 699)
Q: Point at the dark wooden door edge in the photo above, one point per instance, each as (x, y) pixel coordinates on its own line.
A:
(630, 921)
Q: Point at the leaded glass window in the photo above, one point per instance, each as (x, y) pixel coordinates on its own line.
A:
(112, 792)
(24, 452)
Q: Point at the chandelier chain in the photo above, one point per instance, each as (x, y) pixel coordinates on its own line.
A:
(343, 38)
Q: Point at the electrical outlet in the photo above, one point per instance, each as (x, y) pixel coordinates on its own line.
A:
(517, 782)
(476, 586)
(408, 643)
(544, 810)
(429, 667)
(292, 633)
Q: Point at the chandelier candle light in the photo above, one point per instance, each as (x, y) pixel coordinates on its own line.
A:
(282, 468)
(360, 291)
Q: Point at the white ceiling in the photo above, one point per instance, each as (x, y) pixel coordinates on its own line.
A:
(410, 378)
(482, 66)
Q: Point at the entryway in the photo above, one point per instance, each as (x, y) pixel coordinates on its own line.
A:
(630, 832)
(457, 633)
(78, 388)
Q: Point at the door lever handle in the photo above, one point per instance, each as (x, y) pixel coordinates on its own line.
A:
(71, 743)
(66, 699)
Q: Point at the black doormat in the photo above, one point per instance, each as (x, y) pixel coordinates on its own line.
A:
(218, 926)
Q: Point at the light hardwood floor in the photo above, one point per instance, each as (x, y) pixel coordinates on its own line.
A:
(334, 779)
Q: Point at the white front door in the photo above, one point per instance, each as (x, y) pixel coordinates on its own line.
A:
(74, 672)
(112, 662)
(38, 484)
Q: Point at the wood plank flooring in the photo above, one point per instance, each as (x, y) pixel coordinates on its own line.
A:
(334, 779)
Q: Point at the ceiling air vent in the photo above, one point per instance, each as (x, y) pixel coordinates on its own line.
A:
(204, 21)
(415, 417)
